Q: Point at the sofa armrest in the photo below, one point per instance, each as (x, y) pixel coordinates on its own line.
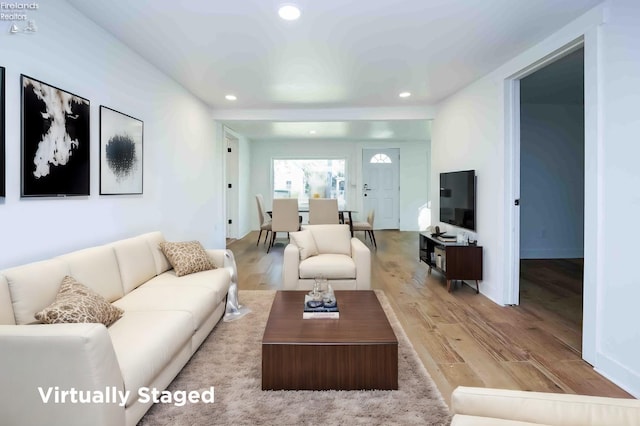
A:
(361, 255)
(217, 257)
(290, 267)
(545, 408)
(223, 258)
(36, 359)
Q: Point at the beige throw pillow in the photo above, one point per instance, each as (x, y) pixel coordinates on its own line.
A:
(77, 303)
(186, 257)
(305, 242)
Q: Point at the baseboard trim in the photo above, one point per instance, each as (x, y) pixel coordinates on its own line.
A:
(621, 375)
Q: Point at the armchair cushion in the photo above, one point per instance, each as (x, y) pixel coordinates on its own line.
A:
(335, 239)
(330, 266)
(305, 242)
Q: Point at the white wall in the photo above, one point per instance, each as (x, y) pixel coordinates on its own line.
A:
(247, 199)
(469, 132)
(618, 343)
(466, 136)
(551, 181)
(182, 169)
(414, 171)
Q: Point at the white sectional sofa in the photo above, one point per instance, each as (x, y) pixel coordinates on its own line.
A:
(473, 406)
(326, 251)
(165, 320)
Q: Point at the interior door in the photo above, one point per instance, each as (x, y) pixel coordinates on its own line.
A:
(381, 186)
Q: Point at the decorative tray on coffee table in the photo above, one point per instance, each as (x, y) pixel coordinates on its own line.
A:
(318, 308)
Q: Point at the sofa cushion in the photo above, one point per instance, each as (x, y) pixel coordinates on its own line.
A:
(462, 420)
(34, 286)
(199, 302)
(75, 303)
(154, 239)
(305, 243)
(135, 261)
(97, 268)
(186, 257)
(145, 342)
(330, 266)
(331, 238)
(215, 279)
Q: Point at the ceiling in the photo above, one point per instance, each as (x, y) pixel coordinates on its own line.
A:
(339, 54)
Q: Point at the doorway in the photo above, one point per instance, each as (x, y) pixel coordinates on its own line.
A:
(381, 186)
(552, 192)
(552, 184)
(231, 185)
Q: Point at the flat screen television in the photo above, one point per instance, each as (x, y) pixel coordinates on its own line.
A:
(458, 199)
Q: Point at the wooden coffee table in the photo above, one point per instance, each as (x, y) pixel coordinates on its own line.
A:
(357, 351)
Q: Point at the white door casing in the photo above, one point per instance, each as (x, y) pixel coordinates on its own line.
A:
(381, 186)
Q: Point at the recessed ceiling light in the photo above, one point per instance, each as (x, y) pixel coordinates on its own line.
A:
(312, 132)
(289, 12)
(405, 94)
(231, 97)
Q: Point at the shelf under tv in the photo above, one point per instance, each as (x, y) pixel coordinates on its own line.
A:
(462, 261)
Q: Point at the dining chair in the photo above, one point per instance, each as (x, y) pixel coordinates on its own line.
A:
(323, 211)
(284, 218)
(367, 227)
(263, 218)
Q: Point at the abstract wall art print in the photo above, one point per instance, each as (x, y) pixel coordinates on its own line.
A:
(55, 141)
(121, 138)
(2, 164)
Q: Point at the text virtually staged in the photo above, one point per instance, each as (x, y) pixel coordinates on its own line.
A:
(113, 395)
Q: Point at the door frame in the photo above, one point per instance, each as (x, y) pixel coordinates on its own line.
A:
(593, 270)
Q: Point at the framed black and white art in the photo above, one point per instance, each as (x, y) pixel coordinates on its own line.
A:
(55, 141)
(121, 138)
(2, 163)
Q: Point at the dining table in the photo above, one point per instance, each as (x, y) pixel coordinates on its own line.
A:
(341, 216)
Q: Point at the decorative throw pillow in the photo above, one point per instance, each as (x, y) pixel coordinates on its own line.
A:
(305, 242)
(186, 257)
(76, 302)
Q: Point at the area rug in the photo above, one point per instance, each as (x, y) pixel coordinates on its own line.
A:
(230, 361)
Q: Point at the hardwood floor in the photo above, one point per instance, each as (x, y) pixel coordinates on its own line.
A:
(552, 288)
(464, 338)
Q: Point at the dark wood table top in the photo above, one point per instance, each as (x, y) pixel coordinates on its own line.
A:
(362, 321)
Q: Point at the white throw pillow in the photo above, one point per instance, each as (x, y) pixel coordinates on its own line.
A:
(305, 242)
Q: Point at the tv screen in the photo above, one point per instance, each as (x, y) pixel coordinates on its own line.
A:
(458, 199)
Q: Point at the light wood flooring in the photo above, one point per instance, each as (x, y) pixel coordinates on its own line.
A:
(464, 338)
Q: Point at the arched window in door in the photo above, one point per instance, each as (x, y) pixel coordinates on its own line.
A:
(380, 158)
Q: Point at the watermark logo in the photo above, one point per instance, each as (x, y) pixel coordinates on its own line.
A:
(19, 16)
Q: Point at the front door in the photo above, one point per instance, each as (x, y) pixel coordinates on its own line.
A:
(381, 186)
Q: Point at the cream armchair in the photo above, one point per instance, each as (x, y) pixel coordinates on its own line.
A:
(328, 251)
